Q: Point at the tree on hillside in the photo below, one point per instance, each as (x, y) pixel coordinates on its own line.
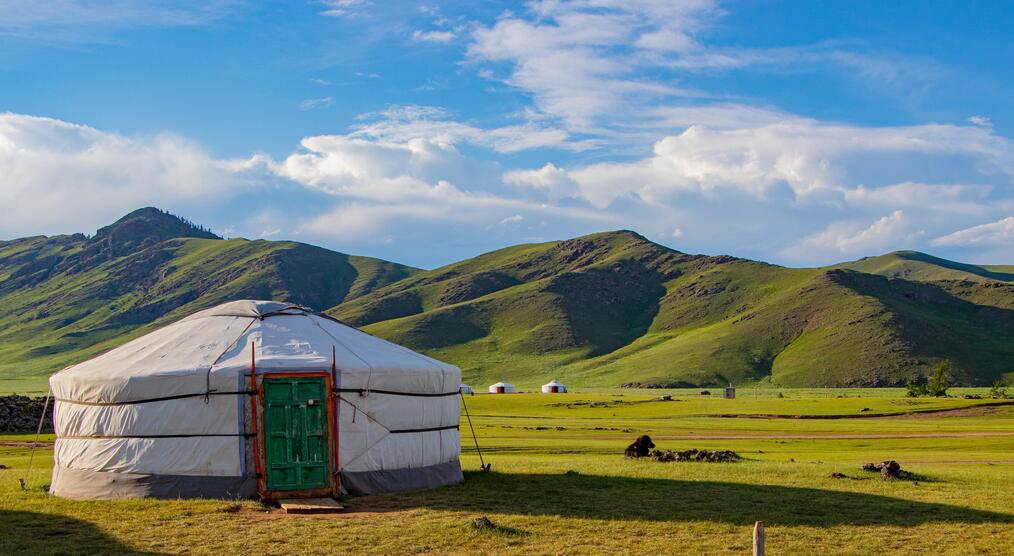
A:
(940, 381)
(998, 391)
(937, 385)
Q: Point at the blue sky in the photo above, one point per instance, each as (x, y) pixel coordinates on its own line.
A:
(799, 133)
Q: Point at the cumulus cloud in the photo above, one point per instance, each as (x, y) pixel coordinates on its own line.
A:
(999, 233)
(59, 176)
(379, 183)
(554, 182)
(812, 161)
(855, 238)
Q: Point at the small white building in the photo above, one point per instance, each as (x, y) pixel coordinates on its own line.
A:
(554, 387)
(502, 388)
(465, 389)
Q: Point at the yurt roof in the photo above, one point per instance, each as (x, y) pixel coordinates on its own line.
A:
(218, 340)
(553, 382)
(501, 384)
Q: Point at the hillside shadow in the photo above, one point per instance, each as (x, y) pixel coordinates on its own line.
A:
(627, 498)
(24, 532)
(969, 268)
(940, 324)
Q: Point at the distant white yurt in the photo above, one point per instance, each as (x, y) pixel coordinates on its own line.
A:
(502, 388)
(465, 389)
(255, 398)
(554, 387)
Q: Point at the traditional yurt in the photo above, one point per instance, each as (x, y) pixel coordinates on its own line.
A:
(554, 387)
(465, 389)
(255, 398)
(502, 388)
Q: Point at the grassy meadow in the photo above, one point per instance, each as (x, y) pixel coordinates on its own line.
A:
(559, 484)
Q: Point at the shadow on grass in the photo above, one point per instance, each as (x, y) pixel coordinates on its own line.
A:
(40, 533)
(602, 497)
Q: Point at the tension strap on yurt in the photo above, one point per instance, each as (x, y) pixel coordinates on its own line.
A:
(128, 436)
(431, 429)
(364, 391)
(161, 399)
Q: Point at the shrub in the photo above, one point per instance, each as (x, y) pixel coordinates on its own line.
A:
(937, 385)
(998, 391)
(940, 381)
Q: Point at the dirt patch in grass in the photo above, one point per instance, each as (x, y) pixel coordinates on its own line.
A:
(974, 411)
(25, 443)
(909, 414)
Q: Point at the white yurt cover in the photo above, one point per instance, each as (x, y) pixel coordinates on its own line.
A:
(502, 388)
(466, 389)
(548, 388)
(168, 414)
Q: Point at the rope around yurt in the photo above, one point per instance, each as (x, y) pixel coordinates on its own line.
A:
(482, 464)
(35, 443)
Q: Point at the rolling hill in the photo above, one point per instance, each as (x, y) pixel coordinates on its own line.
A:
(606, 309)
(614, 308)
(913, 265)
(66, 298)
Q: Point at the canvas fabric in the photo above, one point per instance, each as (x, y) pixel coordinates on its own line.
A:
(175, 403)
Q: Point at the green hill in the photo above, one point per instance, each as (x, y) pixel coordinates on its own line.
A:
(614, 308)
(607, 309)
(66, 298)
(912, 265)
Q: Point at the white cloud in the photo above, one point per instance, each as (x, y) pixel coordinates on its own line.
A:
(342, 8)
(852, 238)
(604, 66)
(81, 21)
(555, 182)
(433, 36)
(999, 233)
(406, 123)
(59, 176)
(403, 174)
(314, 103)
(981, 121)
(812, 160)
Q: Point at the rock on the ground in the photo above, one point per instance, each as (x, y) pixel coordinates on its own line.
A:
(483, 523)
(693, 454)
(889, 469)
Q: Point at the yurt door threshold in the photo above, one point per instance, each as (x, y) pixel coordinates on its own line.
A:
(296, 436)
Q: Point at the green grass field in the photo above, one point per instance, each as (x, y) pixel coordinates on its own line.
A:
(559, 484)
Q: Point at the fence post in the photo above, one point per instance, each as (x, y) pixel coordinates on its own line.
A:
(758, 538)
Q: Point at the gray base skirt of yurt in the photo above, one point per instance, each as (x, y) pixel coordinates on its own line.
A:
(398, 480)
(102, 485)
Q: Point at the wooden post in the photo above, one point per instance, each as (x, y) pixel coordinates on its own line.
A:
(758, 538)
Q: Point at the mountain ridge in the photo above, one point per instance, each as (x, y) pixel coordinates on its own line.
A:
(614, 308)
(65, 298)
(605, 309)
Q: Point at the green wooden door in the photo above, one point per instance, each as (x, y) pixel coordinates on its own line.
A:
(295, 425)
